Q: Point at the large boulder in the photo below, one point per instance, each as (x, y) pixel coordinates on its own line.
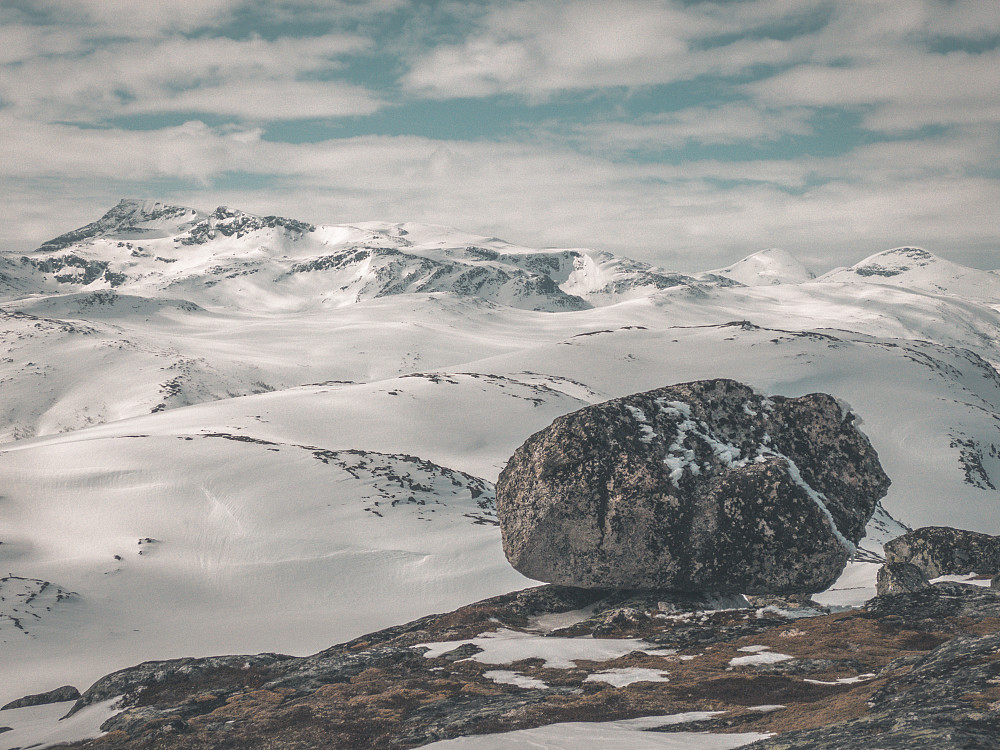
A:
(942, 551)
(703, 486)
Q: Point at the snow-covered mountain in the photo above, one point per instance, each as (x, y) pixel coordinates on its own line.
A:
(918, 270)
(233, 259)
(766, 268)
(231, 433)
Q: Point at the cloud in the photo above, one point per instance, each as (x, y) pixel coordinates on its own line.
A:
(192, 151)
(831, 210)
(877, 57)
(726, 124)
(138, 18)
(232, 77)
(148, 19)
(537, 49)
(267, 100)
(905, 92)
(705, 179)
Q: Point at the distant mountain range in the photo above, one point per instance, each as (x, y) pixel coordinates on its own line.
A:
(227, 256)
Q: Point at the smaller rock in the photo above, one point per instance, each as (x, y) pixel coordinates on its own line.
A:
(941, 551)
(465, 651)
(59, 695)
(900, 578)
(621, 619)
(995, 582)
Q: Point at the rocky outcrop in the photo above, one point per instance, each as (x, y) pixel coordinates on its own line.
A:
(906, 671)
(940, 551)
(944, 700)
(900, 578)
(703, 486)
(59, 695)
(938, 602)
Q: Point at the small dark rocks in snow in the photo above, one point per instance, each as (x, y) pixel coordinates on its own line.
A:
(900, 578)
(940, 551)
(702, 486)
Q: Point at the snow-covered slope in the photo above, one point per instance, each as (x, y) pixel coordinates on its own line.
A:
(768, 267)
(298, 427)
(919, 270)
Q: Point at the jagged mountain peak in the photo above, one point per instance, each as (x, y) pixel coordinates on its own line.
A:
(128, 219)
(766, 268)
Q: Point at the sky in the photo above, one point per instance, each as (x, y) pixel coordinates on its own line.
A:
(686, 134)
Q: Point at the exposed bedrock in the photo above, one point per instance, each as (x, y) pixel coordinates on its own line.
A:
(701, 486)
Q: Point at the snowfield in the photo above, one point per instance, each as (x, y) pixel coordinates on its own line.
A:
(222, 433)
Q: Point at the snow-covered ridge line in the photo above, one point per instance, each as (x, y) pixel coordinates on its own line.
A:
(220, 258)
(148, 248)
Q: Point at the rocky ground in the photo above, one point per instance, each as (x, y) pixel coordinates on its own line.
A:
(913, 670)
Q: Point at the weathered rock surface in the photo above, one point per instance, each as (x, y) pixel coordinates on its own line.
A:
(900, 578)
(938, 602)
(59, 695)
(908, 671)
(941, 551)
(702, 486)
(946, 699)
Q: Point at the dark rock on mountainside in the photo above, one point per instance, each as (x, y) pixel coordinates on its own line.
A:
(907, 671)
(703, 486)
(941, 550)
(900, 578)
(59, 695)
(229, 222)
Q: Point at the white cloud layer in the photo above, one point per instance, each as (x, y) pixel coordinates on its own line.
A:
(834, 129)
(537, 194)
(233, 78)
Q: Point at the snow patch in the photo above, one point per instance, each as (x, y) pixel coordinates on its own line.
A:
(41, 726)
(506, 677)
(627, 675)
(646, 431)
(760, 655)
(506, 646)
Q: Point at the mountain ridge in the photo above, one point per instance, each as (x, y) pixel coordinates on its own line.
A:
(147, 246)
